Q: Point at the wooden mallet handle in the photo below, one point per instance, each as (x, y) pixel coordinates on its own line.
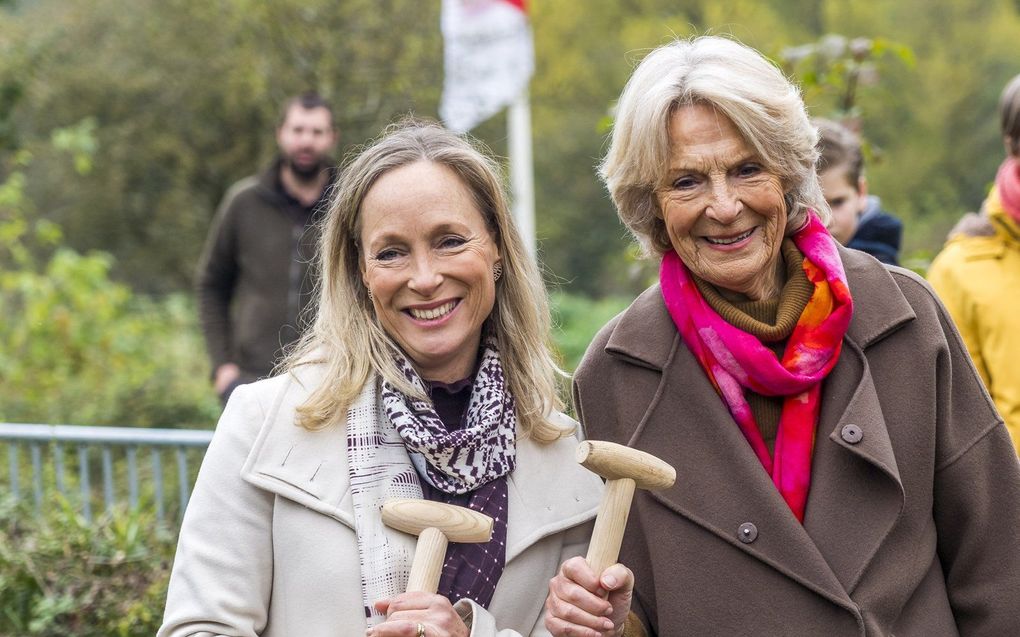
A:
(436, 524)
(624, 469)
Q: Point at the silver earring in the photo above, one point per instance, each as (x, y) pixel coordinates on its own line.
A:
(369, 290)
(497, 270)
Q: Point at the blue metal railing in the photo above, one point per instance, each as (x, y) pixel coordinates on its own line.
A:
(113, 444)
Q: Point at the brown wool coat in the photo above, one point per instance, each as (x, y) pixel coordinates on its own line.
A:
(912, 530)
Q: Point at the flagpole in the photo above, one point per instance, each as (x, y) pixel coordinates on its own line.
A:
(522, 176)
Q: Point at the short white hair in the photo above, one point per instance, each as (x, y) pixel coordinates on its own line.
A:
(738, 82)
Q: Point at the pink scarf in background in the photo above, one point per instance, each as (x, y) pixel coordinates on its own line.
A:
(736, 361)
(1007, 183)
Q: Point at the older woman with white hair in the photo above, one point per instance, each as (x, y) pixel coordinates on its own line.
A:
(426, 375)
(840, 469)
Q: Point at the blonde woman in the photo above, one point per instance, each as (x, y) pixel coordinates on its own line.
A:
(427, 374)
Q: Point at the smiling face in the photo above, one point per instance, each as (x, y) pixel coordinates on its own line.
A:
(724, 211)
(427, 259)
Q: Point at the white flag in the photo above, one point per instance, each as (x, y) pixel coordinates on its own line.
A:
(489, 58)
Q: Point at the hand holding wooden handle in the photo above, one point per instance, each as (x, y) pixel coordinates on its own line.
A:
(436, 524)
(624, 469)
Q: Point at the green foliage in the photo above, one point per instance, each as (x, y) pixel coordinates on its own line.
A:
(84, 349)
(184, 96)
(936, 121)
(833, 69)
(577, 319)
(61, 575)
(79, 141)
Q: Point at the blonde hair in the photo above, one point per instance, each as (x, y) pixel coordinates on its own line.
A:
(346, 335)
(738, 82)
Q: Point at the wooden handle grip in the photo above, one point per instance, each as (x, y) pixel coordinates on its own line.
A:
(613, 461)
(428, 561)
(459, 524)
(604, 549)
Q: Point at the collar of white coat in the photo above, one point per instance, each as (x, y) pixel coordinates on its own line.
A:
(548, 491)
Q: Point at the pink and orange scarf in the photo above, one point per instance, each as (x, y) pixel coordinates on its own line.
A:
(735, 360)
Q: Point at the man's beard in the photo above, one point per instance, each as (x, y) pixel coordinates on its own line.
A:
(306, 172)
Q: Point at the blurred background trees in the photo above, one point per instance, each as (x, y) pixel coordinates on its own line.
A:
(185, 96)
(169, 102)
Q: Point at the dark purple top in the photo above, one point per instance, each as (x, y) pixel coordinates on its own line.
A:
(470, 570)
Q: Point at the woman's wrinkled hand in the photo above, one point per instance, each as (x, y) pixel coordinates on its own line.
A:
(405, 612)
(584, 604)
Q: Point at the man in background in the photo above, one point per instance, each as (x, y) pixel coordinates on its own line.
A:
(253, 281)
(858, 220)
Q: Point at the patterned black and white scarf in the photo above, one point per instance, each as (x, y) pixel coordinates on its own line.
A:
(462, 460)
(388, 432)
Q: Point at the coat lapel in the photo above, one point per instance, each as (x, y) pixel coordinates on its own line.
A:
(308, 467)
(856, 493)
(548, 492)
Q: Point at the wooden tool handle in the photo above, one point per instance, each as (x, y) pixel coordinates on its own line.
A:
(428, 561)
(459, 524)
(613, 461)
(604, 549)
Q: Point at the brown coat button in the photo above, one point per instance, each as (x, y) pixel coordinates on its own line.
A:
(747, 533)
(852, 434)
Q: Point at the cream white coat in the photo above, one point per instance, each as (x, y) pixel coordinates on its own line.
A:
(267, 546)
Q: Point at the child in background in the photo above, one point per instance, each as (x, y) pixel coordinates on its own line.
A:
(858, 220)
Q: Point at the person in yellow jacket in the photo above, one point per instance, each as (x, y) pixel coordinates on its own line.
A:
(977, 275)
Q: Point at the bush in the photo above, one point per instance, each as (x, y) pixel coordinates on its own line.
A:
(88, 352)
(576, 320)
(82, 348)
(60, 575)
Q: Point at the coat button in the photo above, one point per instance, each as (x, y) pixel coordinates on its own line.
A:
(747, 532)
(852, 434)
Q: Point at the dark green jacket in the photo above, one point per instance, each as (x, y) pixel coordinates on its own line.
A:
(254, 284)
